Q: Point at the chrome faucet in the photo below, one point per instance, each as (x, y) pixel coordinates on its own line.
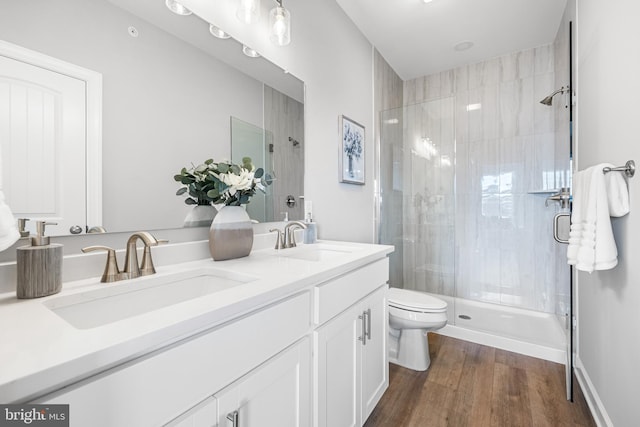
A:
(131, 267)
(289, 237)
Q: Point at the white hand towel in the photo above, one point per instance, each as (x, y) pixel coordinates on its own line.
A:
(591, 242)
(8, 229)
(617, 194)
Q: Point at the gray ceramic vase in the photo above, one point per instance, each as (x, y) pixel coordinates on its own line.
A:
(231, 234)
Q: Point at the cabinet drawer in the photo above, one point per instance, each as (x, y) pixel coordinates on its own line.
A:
(154, 389)
(335, 296)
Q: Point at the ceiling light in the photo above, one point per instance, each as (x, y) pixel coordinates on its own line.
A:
(427, 1)
(472, 107)
(280, 24)
(248, 11)
(217, 32)
(250, 52)
(464, 45)
(177, 8)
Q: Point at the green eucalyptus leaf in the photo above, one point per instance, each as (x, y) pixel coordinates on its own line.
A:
(208, 161)
(258, 173)
(181, 191)
(223, 167)
(235, 169)
(190, 201)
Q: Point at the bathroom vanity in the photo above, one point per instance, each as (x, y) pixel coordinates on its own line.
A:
(295, 337)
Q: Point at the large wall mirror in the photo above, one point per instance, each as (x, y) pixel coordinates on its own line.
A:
(171, 95)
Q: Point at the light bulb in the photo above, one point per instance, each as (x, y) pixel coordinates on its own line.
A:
(217, 32)
(248, 11)
(280, 23)
(177, 8)
(250, 52)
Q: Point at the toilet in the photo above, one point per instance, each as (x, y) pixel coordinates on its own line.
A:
(411, 315)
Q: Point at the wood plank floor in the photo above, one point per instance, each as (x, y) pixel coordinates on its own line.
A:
(474, 385)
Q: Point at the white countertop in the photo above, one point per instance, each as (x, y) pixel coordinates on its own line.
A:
(40, 351)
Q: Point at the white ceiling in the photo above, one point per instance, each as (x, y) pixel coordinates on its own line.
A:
(418, 38)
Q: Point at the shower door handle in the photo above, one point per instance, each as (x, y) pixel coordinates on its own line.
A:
(556, 234)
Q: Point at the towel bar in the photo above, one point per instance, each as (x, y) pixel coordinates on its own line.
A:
(629, 169)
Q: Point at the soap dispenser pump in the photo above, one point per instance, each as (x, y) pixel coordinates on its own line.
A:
(39, 266)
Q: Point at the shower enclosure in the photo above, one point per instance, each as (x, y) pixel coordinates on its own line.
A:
(462, 189)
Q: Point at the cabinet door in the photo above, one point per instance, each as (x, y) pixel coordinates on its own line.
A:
(337, 370)
(375, 364)
(203, 414)
(275, 394)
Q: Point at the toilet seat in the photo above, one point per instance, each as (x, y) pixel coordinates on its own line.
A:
(419, 302)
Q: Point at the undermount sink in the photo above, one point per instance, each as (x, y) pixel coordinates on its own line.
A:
(316, 252)
(122, 300)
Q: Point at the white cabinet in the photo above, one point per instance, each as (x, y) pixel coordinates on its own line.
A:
(205, 414)
(351, 364)
(276, 394)
(259, 369)
(162, 385)
(375, 360)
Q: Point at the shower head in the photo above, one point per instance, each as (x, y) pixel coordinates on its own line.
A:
(549, 99)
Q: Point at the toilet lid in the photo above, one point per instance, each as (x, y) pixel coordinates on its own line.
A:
(415, 301)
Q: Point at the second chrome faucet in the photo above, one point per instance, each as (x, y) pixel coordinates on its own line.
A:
(287, 239)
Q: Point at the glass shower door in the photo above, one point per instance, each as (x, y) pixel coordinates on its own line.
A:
(417, 195)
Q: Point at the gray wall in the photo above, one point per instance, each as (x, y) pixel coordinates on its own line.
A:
(166, 104)
(608, 129)
(284, 118)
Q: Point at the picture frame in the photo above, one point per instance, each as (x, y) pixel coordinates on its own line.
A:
(352, 151)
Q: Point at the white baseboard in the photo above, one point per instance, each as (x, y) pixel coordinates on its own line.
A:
(598, 410)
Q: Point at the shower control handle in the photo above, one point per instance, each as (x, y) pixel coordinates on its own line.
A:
(563, 197)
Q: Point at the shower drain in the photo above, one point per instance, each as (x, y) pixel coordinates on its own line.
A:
(464, 316)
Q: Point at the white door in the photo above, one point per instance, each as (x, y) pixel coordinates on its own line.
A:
(375, 363)
(42, 139)
(276, 394)
(339, 347)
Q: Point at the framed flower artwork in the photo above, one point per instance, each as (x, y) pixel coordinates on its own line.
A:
(352, 153)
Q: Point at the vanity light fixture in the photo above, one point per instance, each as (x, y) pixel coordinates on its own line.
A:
(177, 8)
(248, 11)
(280, 25)
(217, 32)
(250, 52)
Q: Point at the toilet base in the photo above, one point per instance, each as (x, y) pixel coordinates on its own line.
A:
(409, 348)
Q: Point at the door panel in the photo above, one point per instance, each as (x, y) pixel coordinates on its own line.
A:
(375, 368)
(337, 359)
(43, 134)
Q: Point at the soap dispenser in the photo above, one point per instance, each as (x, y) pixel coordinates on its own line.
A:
(39, 266)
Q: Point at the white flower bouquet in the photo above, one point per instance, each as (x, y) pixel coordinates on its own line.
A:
(221, 182)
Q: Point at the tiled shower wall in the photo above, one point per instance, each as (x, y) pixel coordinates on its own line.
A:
(478, 155)
(284, 119)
